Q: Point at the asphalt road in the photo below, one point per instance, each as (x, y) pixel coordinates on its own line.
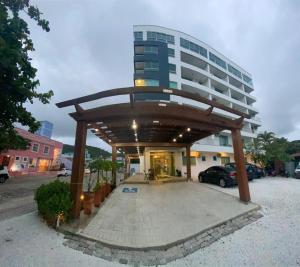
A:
(17, 195)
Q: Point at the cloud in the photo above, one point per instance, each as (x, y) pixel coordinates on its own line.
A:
(90, 49)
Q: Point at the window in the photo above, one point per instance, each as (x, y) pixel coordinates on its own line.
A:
(203, 158)
(234, 71)
(151, 50)
(171, 52)
(148, 82)
(162, 37)
(17, 158)
(140, 50)
(214, 158)
(35, 147)
(32, 163)
(172, 68)
(225, 160)
(46, 149)
(173, 85)
(140, 67)
(193, 160)
(138, 36)
(247, 79)
(193, 47)
(217, 60)
(223, 140)
(25, 159)
(152, 66)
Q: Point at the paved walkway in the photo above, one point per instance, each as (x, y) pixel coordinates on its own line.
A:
(159, 215)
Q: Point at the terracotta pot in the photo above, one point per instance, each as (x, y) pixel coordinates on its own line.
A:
(102, 190)
(88, 203)
(109, 188)
(98, 197)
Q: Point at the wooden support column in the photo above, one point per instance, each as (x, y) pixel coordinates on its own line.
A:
(78, 168)
(125, 167)
(114, 160)
(239, 158)
(188, 162)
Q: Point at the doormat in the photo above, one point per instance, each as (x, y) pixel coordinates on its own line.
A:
(130, 190)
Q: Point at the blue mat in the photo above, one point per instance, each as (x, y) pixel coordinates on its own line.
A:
(130, 190)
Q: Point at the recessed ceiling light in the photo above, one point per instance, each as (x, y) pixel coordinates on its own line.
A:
(180, 135)
(188, 129)
(174, 140)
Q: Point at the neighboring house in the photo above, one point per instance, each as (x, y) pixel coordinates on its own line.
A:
(42, 155)
(172, 59)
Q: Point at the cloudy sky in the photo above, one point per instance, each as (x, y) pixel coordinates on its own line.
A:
(90, 49)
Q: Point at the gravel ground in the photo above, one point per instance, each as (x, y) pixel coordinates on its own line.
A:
(273, 240)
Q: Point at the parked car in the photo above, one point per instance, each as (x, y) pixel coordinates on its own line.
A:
(4, 175)
(258, 171)
(221, 175)
(297, 171)
(251, 171)
(64, 172)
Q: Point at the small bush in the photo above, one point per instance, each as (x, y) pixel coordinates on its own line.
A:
(53, 200)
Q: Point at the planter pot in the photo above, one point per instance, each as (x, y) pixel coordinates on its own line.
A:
(102, 190)
(88, 203)
(109, 188)
(98, 197)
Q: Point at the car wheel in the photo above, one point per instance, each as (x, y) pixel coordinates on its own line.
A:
(222, 183)
(200, 179)
(2, 179)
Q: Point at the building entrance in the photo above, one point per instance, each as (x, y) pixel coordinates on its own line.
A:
(162, 164)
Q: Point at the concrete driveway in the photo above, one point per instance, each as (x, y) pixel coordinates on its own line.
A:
(158, 215)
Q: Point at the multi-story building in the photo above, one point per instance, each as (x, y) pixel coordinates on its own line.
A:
(173, 59)
(45, 129)
(43, 154)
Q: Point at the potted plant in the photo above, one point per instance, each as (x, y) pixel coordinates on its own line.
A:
(106, 168)
(88, 200)
(98, 191)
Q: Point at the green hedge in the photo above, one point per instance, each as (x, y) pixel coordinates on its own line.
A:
(54, 199)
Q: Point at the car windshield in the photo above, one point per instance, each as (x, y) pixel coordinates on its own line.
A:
(229, 168)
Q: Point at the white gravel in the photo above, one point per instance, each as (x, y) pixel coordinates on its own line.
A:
(273, 240)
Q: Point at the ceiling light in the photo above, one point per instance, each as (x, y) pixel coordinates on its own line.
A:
(174, 140)
(134, 125)
(96, 130)
(180, 135)
(155, 121)
(188, 129)
(135, 134)
(109, 140)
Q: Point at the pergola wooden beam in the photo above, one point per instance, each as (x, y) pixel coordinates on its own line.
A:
(149, 89)
(149, 144)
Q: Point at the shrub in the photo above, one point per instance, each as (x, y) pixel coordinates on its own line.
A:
(53, 201)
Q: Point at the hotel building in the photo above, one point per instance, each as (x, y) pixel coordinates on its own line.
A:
(172, 59)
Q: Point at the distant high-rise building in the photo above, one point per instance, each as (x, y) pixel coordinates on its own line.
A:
(45, 129)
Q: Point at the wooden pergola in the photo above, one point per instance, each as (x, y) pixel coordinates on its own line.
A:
(134, 125)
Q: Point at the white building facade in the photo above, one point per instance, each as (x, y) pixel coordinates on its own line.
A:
(166, 57)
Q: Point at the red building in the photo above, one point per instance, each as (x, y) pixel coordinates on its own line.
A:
(42, 155)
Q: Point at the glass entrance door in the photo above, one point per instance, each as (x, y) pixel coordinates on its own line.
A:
(162, 164)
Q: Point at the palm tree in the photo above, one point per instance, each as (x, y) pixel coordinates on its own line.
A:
(265, 139)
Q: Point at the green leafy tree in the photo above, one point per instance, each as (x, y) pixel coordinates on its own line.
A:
(18, 83)
(293, 147)
(256, 152)
(265, 139)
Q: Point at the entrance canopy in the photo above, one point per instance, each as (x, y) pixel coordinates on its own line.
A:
(137, 124)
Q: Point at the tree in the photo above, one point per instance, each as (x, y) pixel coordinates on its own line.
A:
(18, 83)
(256, 152)
(265, 139)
